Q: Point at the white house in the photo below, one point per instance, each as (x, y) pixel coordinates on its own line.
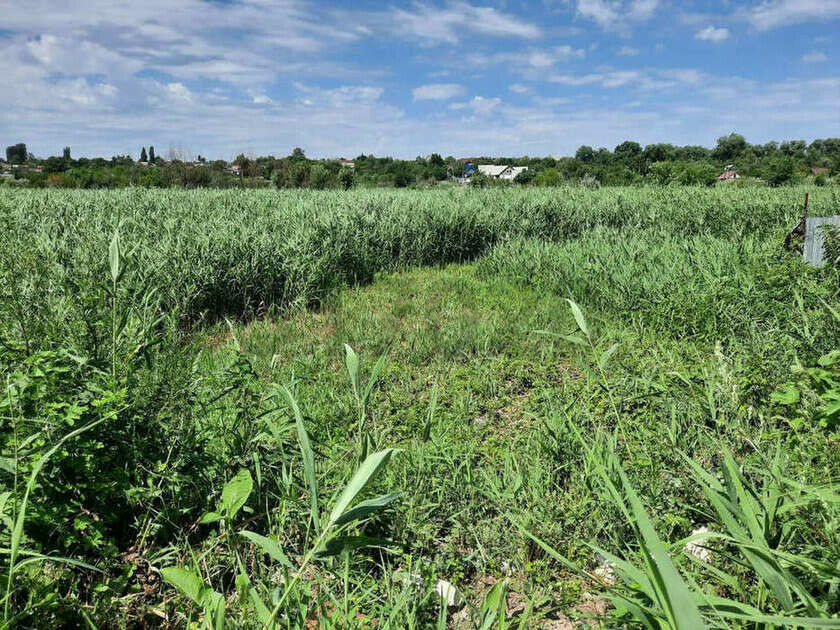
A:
(501, 172)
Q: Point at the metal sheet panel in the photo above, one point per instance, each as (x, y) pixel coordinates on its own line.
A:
(815, 238)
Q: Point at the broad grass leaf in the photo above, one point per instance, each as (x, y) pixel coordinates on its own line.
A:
(185, 581)
(493, 606)
(236, 492)
(362, 477)
(430, 414)
(606, 355)
(579, 318)
(351, 360)
(268, 546)
(675, 597)
(337, 545)
(374, 376)
(575, 339)
(308, 458)
(263, 613)
(366, 508)
(115, 257)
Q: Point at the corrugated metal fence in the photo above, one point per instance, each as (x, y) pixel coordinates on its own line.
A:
(815, 238)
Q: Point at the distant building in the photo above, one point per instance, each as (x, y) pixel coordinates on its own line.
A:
(728, 175)
(469, 166)
(347, 163)
(820, 170)
(494, 171)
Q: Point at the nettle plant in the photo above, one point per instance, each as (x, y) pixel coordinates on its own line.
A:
(814, 394)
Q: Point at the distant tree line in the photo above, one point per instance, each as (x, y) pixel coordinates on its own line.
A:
(629, 163)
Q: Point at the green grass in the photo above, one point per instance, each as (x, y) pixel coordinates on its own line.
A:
(230, 349)
(508, 405)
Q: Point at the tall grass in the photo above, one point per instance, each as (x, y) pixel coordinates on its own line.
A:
(197, 457)
(702, 286)
(215, 253)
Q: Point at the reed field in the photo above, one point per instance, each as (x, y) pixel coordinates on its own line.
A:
(504, 408)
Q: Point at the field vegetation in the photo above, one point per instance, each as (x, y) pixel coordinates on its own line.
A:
(455, 408)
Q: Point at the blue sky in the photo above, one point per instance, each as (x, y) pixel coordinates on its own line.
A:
(463, 77)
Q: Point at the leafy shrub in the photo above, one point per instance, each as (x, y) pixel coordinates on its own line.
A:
(815, 394)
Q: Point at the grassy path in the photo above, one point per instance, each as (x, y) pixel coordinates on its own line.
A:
(503, 435)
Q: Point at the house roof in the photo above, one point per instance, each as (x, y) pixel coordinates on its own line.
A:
(820, 170)
(492, 170)
(726, 175)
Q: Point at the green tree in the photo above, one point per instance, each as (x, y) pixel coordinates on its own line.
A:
(53, 165)
(66, 154)
(525, 177)
(548, 177)
(152, 154)
(729, 147)
(698, 174)
(347, 178)
(319, 178)
(628, 150)
(779, 170)
(402, 176)
(630, 154)
(661, 173)
(659, 153)
(585, 154)
(299, 174)
(143, 156)
(17, 153)
(479, 180)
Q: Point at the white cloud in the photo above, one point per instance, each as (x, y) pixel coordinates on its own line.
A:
(628, 51)
(602, 11)
(215, 77)
(344, 96)
(479, 105)
(815, 57)
(538, 59)
(179, 91)
(643, 9)
(656, 80)
(446, 25)
(712, 34)
(438, 92)
(612, 14)
(775, 13)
